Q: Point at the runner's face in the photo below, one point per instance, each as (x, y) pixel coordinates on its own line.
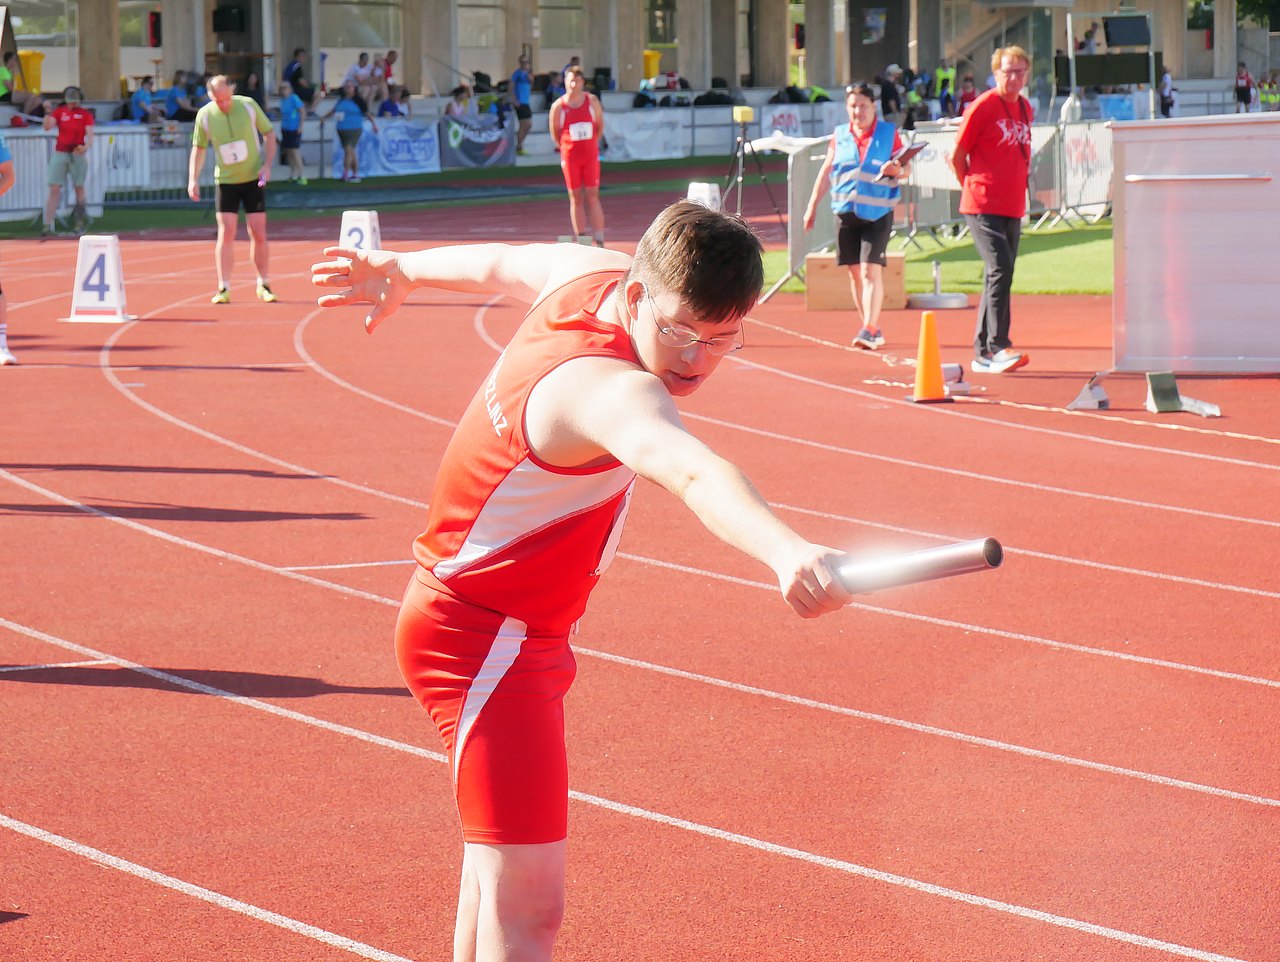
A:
(682, 370)
(862, 111)
(573, 83)
(221, 95)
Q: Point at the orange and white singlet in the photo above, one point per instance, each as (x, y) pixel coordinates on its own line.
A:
(505, 531)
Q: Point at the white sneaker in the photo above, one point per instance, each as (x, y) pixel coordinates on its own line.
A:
(355, 179)
(6, 357)
(1007, 360)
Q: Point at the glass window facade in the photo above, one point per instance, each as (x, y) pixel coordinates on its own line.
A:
(361, 24)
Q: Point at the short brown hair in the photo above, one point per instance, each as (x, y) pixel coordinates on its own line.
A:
(710, 259)
(575, 69)
(1013, 53)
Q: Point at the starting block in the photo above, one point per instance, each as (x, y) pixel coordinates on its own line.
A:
(1091, 396)
(953, 381)
(360, 230)
(98, 295)
(708, 195)
(1163, 397)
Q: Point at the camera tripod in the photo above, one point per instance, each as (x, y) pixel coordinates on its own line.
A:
(733, 177)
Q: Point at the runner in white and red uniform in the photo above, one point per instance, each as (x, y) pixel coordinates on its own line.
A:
(528, 507)
(512, 549)
(577, 125)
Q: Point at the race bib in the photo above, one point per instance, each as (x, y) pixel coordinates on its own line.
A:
(582, 130)
(235, 152)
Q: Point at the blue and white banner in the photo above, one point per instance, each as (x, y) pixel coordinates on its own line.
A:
(396, 147)
(646, 134)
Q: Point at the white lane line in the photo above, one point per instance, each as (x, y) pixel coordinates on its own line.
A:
(1037, 429)
(52, 667)
(195, 891)
(349, 565)
(122, 388)
(354, 389)
(774, 695)
(975, 475)
(772, 848)
(1044, 555)
(966, 627)
(485, 337)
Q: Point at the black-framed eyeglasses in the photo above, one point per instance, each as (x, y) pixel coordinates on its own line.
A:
(675, 336)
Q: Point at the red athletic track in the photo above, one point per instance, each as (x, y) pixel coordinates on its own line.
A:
(1071, 758)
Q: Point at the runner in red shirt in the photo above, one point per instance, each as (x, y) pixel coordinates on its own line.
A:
(527, 510)
(992, 159)
(70, 156)
(577, 124)
(1244, 85)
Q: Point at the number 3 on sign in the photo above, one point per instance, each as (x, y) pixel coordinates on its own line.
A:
(356, 236)
(95, 278)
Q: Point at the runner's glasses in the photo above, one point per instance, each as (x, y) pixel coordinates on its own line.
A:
(681, 337)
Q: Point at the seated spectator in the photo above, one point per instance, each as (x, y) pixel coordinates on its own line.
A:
(390, 62)
(396, 106)
(461, 102)
(198, 89)
(360, 75)
(253, 90)
(378, 78)
(141, 107)
(10, 67)
(176, 105)
(293, 75)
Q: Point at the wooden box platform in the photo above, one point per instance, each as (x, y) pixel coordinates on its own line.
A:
(827, 283)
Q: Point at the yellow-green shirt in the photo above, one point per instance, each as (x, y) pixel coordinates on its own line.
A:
(242, 124)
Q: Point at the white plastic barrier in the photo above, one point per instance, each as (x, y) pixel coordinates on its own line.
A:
(1194, 289)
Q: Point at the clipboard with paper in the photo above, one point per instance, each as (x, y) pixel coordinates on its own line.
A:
(904, 155)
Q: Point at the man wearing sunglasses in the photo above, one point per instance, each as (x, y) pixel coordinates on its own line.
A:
(528, 507)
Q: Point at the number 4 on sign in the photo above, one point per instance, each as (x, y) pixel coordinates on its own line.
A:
(98, 296)
(360, 230)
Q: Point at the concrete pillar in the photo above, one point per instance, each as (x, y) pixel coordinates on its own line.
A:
(439, 41)
(523, 27)
(299, 27)
(178, 24)
(927, 49)
(1225, 55)
(408, 69)
(772, 39)
(724, 40)
(600, 43)
(820, 44)
(693, 32)
(98, 35)
(632, 39)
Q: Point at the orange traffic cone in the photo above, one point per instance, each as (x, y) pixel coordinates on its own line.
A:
(929, 383)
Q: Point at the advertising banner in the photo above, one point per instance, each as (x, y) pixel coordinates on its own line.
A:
(477, 141)
(396, 147)
(646, 134)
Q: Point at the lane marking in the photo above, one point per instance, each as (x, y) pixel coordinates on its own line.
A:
(977, 476)
(1035, 428)
(621, 808)
(195, 891)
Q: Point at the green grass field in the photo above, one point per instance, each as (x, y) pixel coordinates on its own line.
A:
(1060, 261)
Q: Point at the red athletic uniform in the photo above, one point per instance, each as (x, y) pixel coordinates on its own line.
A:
(579, 144)
(512, 549)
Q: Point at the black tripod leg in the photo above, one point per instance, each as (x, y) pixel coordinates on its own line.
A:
(782, 221)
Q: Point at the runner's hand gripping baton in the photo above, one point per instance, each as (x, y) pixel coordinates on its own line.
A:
(925, 565)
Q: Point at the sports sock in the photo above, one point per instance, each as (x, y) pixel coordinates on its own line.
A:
(4, 336)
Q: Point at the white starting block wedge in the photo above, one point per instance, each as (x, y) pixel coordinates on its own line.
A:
(1091, 397)
(1164, 397)
(708, 195)
(360, 230)
(98, 295)
(953, 381)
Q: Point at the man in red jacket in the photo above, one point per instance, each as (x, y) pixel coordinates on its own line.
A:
(992, 160)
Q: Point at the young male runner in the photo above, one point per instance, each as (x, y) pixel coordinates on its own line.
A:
(528, 507)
